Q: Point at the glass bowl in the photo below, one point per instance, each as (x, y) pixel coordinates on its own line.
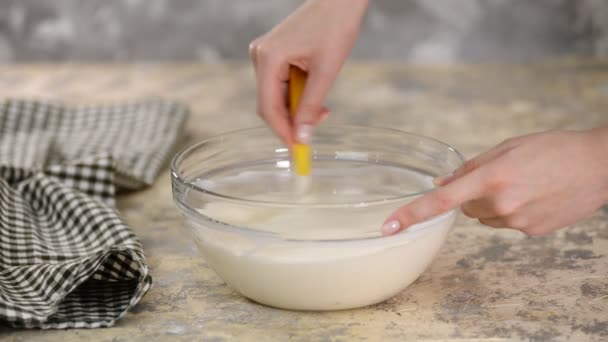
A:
(322, 249)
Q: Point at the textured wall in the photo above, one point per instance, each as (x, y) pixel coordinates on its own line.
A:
(419, 30)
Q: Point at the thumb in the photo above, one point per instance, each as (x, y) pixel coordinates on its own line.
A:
(310, 110)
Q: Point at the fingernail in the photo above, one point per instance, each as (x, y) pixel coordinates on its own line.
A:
(304, 133)
(442, 179)
(390, 227)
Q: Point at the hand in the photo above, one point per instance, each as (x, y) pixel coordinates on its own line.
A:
(536, 183)
(317, 38)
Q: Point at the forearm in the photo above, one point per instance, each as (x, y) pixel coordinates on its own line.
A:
(599, 146)
(600, 138)
(353, 6)
(350, 10)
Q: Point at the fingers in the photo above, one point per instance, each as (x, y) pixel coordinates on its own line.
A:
(443, 199)
(494, 205)
(541, 217)
(305, 132)
(272, 107)
(534, 219)
(311, 110)
(479, 208)
(495, 222)
(519, 222)
(271, 75)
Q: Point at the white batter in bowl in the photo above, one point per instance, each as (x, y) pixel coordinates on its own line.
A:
(323, 250)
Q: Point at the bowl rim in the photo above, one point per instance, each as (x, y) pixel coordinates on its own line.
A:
(196, 215)
(179, 156)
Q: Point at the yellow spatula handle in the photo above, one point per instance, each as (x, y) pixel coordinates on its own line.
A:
(301, 153)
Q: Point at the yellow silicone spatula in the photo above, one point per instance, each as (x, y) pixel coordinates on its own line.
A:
(301, 153)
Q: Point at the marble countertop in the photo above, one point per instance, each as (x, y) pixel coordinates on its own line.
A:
(486, 284)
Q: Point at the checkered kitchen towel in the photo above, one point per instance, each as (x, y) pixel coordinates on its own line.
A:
(66, 257)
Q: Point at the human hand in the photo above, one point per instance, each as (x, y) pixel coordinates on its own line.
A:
(316, 38)
(536, 184)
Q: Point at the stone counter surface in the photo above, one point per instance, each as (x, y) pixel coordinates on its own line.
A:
(486, 284)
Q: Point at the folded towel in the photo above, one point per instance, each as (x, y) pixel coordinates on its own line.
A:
(66, 257)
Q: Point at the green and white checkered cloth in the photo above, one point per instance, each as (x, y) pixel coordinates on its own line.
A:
(67, 260)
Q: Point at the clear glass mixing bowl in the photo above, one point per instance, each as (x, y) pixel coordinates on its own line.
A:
(321, 250)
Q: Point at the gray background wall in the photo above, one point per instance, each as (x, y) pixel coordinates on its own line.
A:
(211, 30)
